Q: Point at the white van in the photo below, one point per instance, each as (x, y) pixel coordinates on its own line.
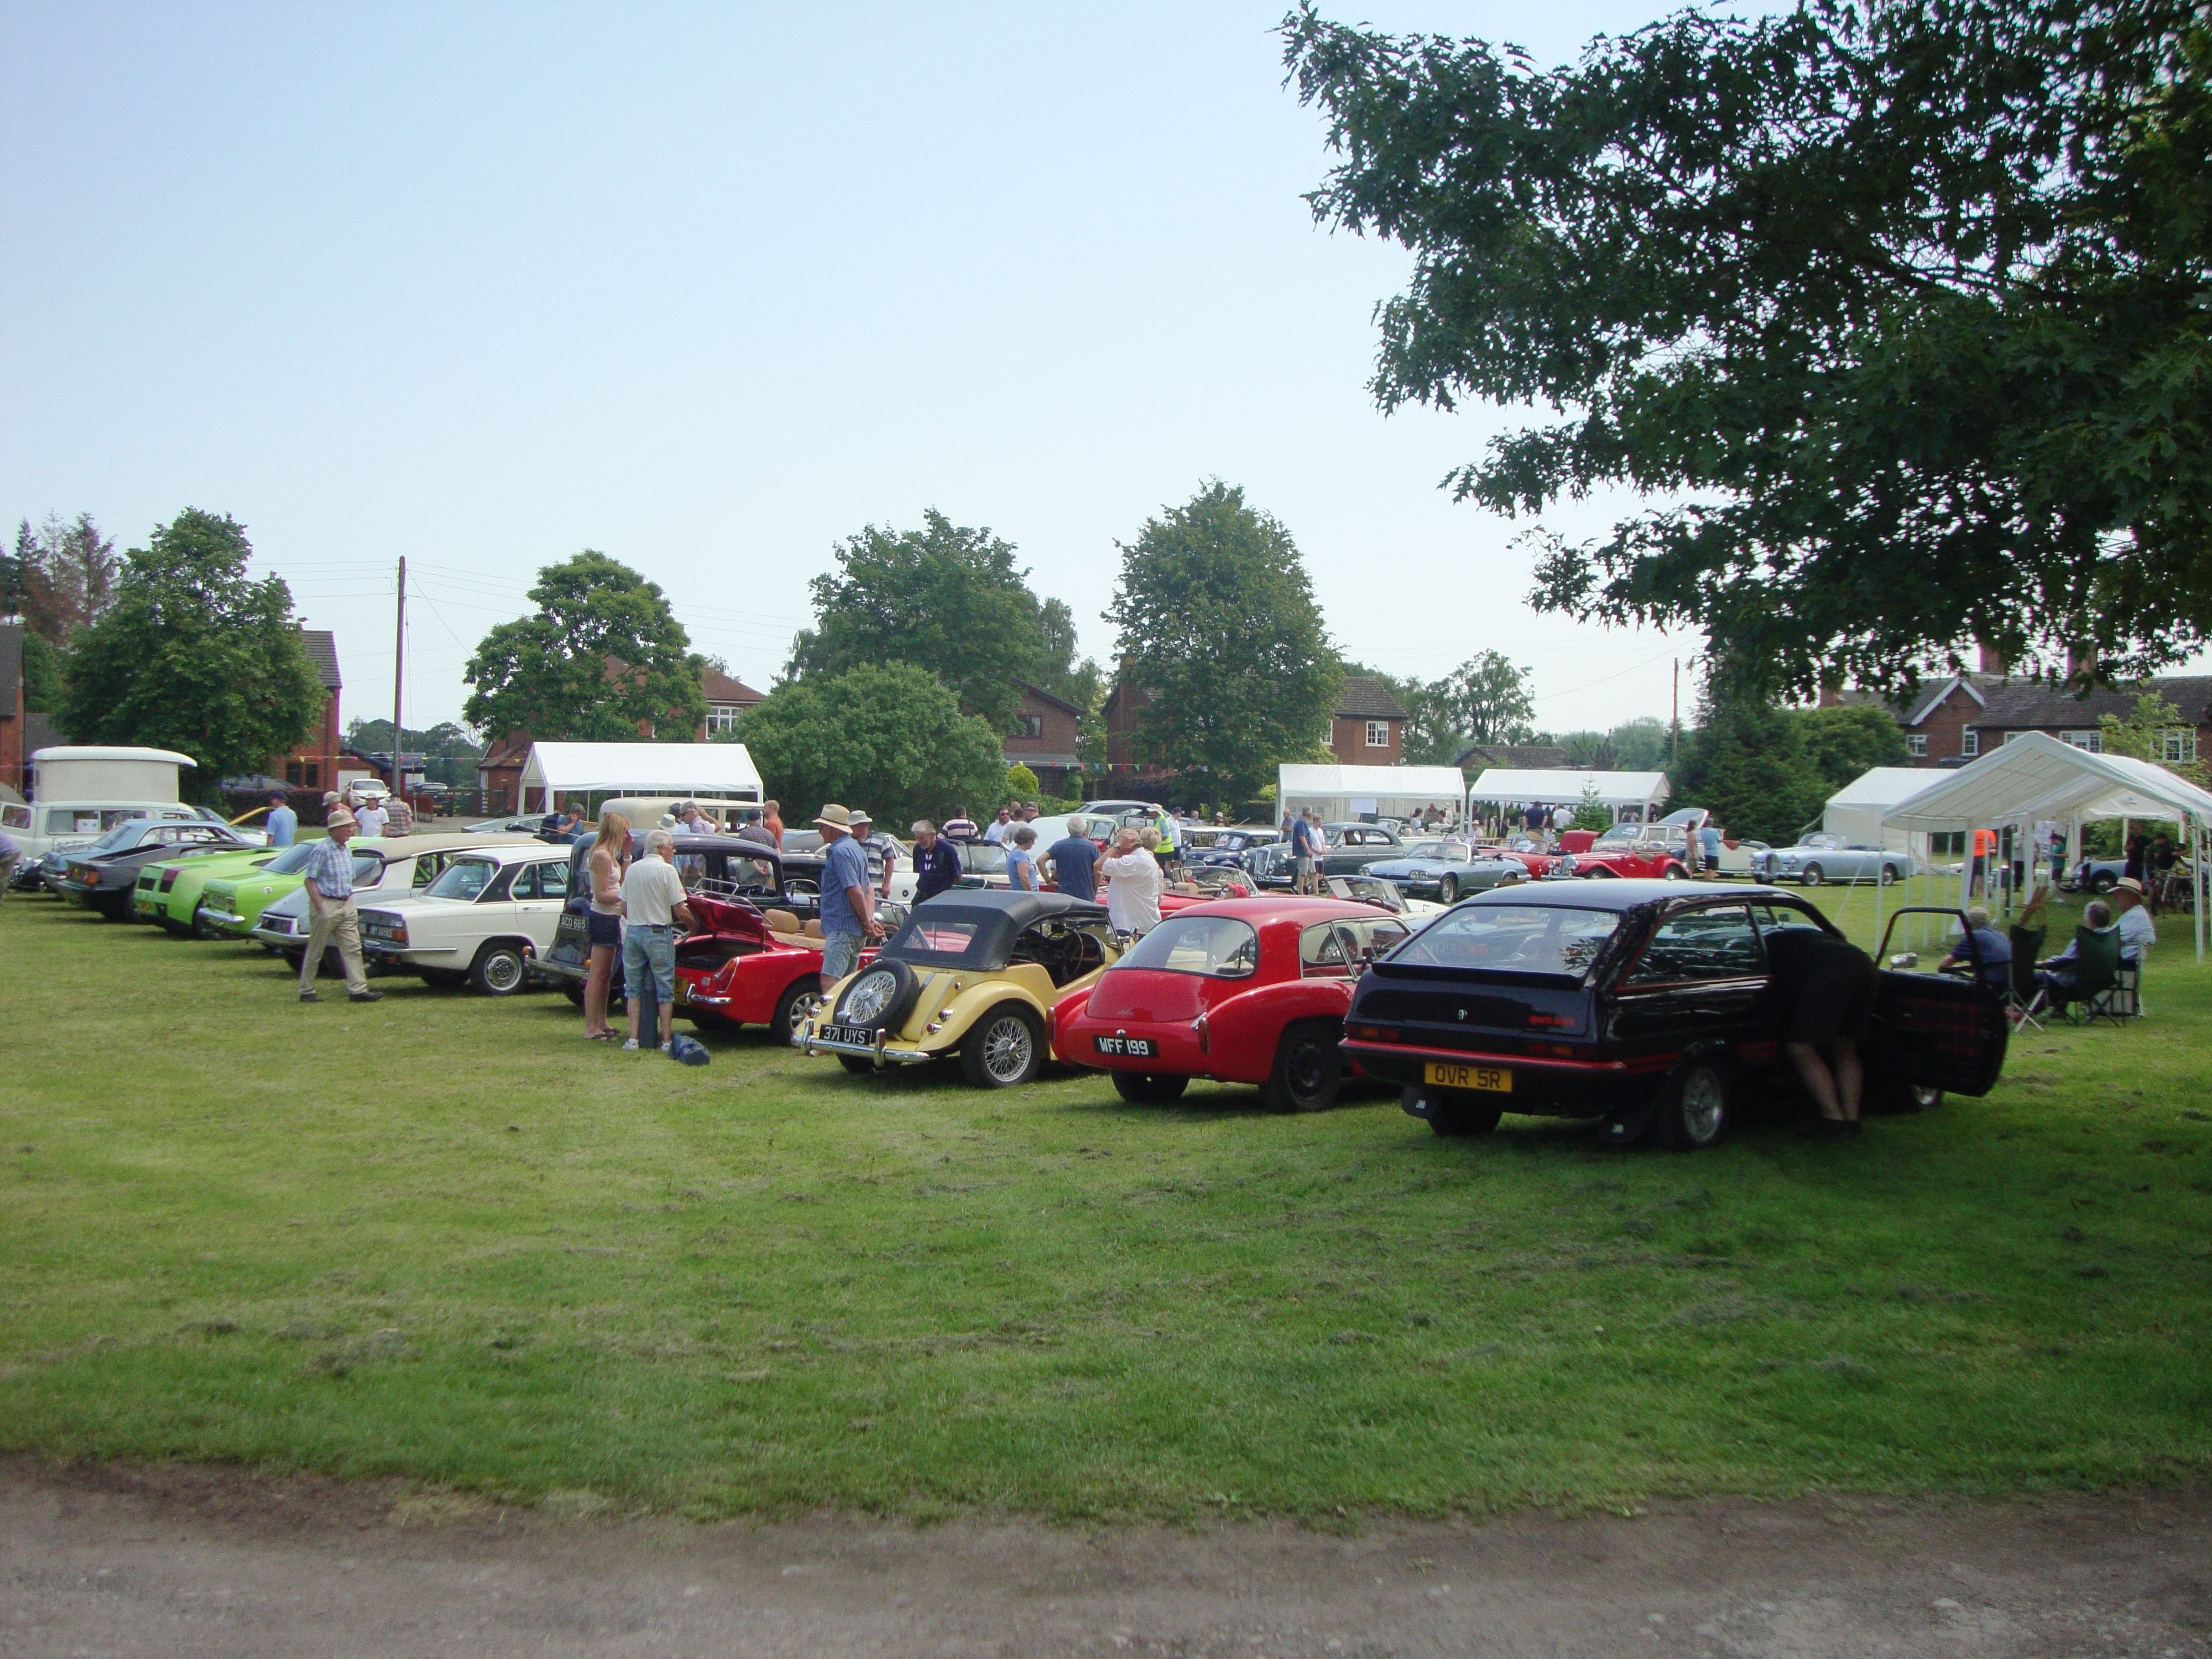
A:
(81, 792)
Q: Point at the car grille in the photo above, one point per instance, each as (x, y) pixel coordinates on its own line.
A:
(279, 924)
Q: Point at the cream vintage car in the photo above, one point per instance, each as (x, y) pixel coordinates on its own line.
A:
(481, 921)
(973, 972)
(410, 863)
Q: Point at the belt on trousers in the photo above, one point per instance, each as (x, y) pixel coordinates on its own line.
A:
(653, 927)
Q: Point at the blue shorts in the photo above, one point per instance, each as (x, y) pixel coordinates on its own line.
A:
(606, 929)
(841, 953)
(649, 951)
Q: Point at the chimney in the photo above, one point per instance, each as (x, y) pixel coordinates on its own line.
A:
(2081, 662)
(1992, 661)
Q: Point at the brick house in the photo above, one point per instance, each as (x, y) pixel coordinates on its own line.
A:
(1043, 738)
(499, 772)
(2021, 705)
(726, 699)
(313, 762)
(1369, 728)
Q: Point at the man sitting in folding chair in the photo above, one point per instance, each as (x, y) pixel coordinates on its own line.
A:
(2084, 973)
(2132, 904)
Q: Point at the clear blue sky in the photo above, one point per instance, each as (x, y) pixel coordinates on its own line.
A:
(710, 288)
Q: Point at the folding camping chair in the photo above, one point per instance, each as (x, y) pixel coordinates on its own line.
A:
(2024, 993)
(2096, 977)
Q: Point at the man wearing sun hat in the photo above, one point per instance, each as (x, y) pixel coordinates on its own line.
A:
(2137, 932)
(330, 901)
(848, 914)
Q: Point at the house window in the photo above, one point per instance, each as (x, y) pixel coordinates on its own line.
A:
(1032, 725)
(2015, 737)
(1969, 742)
(1916, 745)
(1329, 735)
(2092, 741)
(2178, 746)
(292, 773)
(1378, 734)
(721, 717)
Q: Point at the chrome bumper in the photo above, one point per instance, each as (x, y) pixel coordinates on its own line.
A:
(223, 918)
(812, 1044)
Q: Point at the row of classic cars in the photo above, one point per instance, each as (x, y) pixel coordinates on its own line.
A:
(1643, 1004)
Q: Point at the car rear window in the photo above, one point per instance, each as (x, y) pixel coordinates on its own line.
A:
(1218, 947)
(464, 878)
(1516, 938)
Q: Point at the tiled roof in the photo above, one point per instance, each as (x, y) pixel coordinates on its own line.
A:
(1042, 695)
(1518, 756)
(1366, 698)
(2023, 704)
(323, 652)
(512, 749)
(722, 688)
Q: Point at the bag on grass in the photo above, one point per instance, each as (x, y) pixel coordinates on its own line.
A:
(688, 1051)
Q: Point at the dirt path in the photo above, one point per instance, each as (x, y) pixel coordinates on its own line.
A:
(188, 1562)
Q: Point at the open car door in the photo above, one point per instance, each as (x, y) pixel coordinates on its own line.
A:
(1939, 1030)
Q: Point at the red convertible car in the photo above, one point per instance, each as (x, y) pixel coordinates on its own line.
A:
(746, 966)
(1631, 852)
(1248, 990)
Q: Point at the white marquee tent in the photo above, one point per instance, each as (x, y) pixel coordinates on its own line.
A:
(2036, 777)
(1506, 786)
(1340, 793)
(695, 771)
(1855, 811)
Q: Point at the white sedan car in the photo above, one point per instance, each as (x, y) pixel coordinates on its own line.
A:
(410, 863)
(481, 921)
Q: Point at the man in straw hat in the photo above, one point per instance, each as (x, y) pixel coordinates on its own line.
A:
(330, 901)
(2128, 901)
(848, 913)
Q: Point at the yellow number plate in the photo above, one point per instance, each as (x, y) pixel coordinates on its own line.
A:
(1494, 1078)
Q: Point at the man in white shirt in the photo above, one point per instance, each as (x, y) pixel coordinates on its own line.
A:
(653, 902)
(2138, 934)
(995, 831)
(369, 821)
(1133, 893)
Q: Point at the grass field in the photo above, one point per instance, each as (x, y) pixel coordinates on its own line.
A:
(442, 1237)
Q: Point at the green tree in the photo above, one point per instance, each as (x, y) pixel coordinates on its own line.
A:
(1021, 784)
(888, 737)
(603, 659)
(1899, 308)
(1747, 762)
(1591, 812)
(945, 598)
(42, 676)
(2144, 733)
(1487, 699)
(449, 752)
(1843, 742)
(61, 576)
(193, 655)
(1640, 744)
(1218, 620)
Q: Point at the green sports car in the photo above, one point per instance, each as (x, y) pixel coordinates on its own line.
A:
(230, 905)
(168, 894)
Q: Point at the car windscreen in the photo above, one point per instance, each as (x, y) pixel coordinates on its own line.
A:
(983, 858)
(464, 878)
(120, 833)
(293, 859)
(1443, 851)
(1219, 947)
(947, 936)
(1516, 938)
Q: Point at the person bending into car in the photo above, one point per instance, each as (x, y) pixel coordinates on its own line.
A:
(1830, 984)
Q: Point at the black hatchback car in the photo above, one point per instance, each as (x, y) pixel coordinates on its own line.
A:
(1637, 1002)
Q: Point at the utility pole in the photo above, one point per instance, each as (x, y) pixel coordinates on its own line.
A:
(1674, 724)
(398, 663)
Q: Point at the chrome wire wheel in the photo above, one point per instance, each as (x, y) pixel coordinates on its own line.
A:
(1009, 1049)
(870, 994)
(801, 1009)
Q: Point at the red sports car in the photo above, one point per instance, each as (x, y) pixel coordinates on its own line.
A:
(1248, 990)
(746, 968)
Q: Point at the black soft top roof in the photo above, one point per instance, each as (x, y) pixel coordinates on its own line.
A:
(999, 917)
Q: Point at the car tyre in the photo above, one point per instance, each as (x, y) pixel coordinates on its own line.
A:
(500, 969)
(1004, 1048)
(445, 978)
(2102, 882)
(798, 1005)
(1149, 1088)
(891, 1011)
(1455, 1115)
(855, 1064)
(1309, 1068)
(573, 993)
(1695, 1112)
(1888, 877)
(1674, 871)
(1447, 890)
(1813, 875)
